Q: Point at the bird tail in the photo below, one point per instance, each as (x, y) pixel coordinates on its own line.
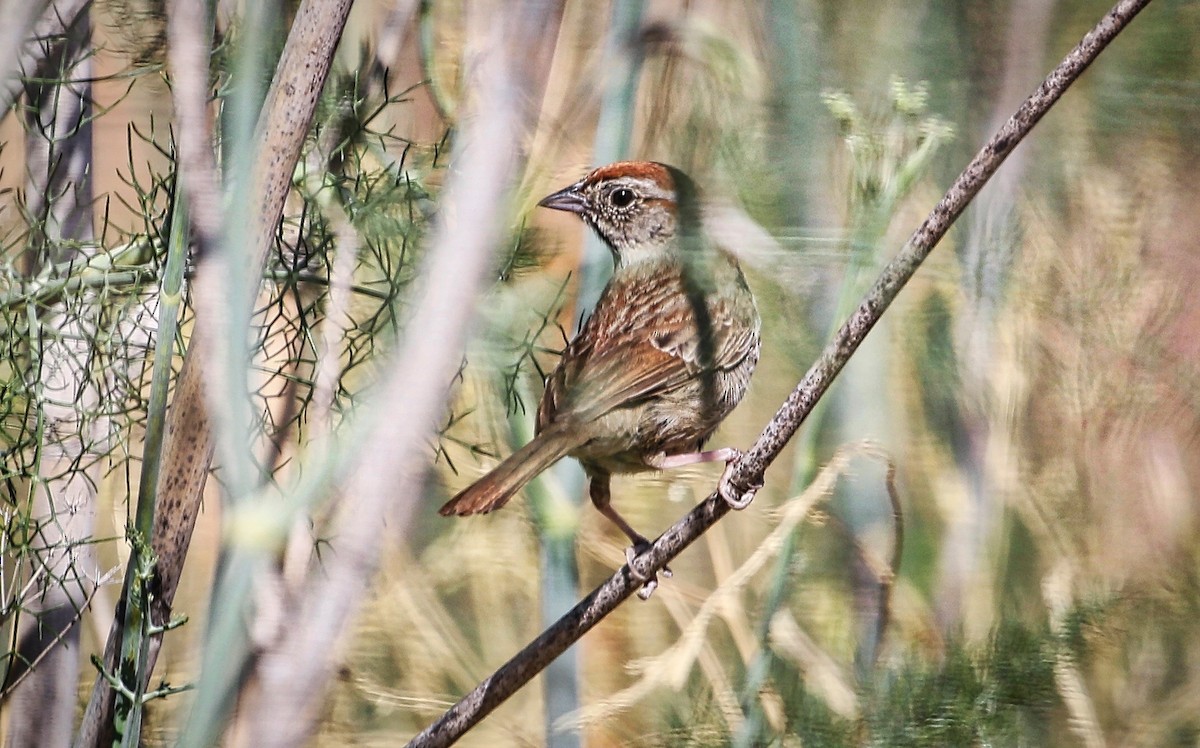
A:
(493, 490)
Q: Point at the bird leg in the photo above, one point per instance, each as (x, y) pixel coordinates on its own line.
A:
(602, 499)
(729, 455)
(662, 461)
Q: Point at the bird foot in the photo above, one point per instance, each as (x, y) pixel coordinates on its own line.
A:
(639, 573)
(736, 499)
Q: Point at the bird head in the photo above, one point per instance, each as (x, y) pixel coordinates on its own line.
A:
(633, 205)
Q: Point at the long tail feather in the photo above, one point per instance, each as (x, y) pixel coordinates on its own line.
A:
(493, 490)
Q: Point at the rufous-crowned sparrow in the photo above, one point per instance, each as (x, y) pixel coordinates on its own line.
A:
(665, 356)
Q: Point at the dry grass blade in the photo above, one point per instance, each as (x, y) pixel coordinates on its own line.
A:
(1084, 722)
(672, 667)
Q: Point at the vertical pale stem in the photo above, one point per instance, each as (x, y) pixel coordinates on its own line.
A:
(58, 157)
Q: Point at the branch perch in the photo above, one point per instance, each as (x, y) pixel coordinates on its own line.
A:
(748, 471)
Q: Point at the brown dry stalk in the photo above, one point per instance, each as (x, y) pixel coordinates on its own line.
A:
(283, 125)
(749, 470)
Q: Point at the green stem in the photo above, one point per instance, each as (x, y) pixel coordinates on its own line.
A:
(137, 626)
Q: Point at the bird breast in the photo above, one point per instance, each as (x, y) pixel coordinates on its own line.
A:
(661, 361)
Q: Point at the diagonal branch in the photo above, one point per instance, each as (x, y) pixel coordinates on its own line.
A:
(748, 470)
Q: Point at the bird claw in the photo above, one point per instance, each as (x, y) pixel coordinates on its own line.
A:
(736, 500)
(648, 580)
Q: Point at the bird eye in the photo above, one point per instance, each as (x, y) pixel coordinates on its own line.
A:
(622, 197)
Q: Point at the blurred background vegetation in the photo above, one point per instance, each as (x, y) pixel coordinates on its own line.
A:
(1036, 389)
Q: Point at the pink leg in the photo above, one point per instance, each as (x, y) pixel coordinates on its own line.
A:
(727, 454)
(668, 462)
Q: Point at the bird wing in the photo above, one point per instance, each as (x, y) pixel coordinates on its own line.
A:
(648, 348)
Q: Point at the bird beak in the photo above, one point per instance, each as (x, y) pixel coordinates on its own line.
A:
(568, 199)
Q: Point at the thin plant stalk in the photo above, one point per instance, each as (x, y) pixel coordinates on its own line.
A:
(285, 116)
(65, 392)
(383, 490)
(137, 626)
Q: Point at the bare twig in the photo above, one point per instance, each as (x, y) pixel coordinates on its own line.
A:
(56, 636)
(749, 470)
(673, 666)
(888, 584)
(883, 571)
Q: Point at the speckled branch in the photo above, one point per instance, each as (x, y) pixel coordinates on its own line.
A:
(749, 469)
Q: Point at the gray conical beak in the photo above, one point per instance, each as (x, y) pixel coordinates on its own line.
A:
(569, 199)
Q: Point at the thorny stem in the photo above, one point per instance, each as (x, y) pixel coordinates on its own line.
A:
(748, 470)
